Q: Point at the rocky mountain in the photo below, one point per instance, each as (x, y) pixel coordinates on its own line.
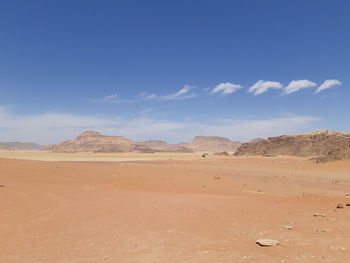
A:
(91, 141)
(19, 146)
(320, 145)
(212, 143)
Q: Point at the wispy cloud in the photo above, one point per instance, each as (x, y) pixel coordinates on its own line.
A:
(226, 88)
(56, 127)
(184, 93)
(327, 84)
(297, 85)
(262, 86)
(109, 99)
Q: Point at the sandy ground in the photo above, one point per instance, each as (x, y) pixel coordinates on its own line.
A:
(210, 210)
(98, 157)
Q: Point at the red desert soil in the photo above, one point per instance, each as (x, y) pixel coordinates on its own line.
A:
(174, 211)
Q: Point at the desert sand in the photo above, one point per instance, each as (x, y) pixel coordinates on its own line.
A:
(81, 208)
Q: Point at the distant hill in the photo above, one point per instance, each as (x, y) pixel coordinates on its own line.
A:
(91, 141)
(320, 145)
(19, 146)
(163, 146)
(212, 143)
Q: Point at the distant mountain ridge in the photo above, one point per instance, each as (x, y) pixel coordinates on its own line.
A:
(212, 143)
(20, 146)
(92, 141)
(163, 146)
(321, 145)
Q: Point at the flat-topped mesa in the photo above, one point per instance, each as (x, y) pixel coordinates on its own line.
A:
(320, 145)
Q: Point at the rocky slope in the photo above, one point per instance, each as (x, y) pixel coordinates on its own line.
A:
(320, 145)
(212, 143)
(19, 146)
(91, 141)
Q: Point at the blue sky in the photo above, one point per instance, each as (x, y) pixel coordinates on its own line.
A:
(173, 69)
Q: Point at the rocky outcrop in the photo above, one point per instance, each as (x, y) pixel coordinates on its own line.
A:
(19, 146)
(91, 141)
(212, 143)
(320, 145)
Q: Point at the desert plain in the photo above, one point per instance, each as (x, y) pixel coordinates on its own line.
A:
(171, 207)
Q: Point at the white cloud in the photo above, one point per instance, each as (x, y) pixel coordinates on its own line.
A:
(262, 86)
(297, 85)
(184, 93)
(328, 83)
(226, 88)
(56, 127)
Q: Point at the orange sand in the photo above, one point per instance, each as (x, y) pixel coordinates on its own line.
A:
(174, 211)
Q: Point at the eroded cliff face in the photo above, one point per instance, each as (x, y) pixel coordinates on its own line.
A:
(321, 145)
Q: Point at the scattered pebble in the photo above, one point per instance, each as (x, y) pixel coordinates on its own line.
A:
(347, 204)
(340, 206)
(288, 227)
(267, 242)
(319, 214)
(217, 178)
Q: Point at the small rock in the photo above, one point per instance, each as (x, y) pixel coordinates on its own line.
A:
(347, 204)
(340, 206)
(288, 227)
(319, 214)
(267, 242)
(321, 230)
